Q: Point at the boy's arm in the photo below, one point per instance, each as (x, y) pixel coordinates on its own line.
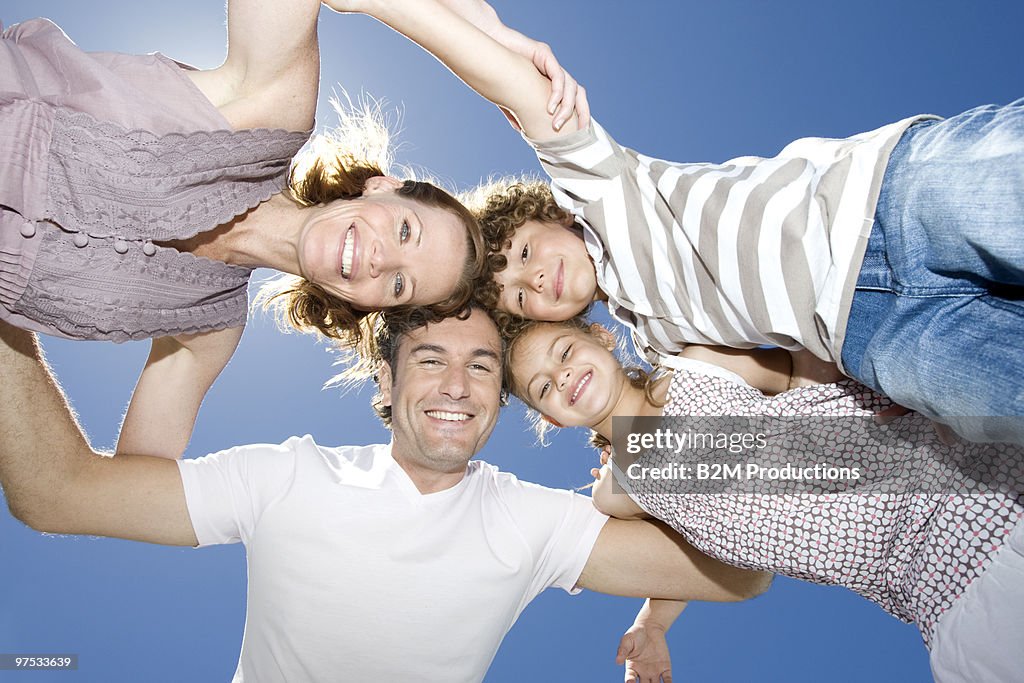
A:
(55, 482)
(507, 79)
(643, 649)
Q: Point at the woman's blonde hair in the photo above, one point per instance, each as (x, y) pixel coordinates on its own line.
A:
(514, 333)
(337, 165)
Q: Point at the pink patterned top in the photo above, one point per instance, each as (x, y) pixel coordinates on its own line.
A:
(102, 156)
(914, 554)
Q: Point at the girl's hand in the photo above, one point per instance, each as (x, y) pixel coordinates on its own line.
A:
(644, 651)
(606, 454)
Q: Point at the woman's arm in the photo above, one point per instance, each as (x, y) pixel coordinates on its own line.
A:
(507, 79)
(270, 78)
(566, 94)
(165, 403)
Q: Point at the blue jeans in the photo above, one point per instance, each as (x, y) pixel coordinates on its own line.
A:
(937, 320)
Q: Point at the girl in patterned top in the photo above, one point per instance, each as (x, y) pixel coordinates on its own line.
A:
(931, 558)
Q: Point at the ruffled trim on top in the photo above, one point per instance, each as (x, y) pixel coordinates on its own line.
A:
(108, 181)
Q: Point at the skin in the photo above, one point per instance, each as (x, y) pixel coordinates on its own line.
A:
(402, 252)
(55, 482)
(277, 88)
(444, 395)
(572, 377)
(549, 275)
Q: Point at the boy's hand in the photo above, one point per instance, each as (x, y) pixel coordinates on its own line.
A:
(644, 651)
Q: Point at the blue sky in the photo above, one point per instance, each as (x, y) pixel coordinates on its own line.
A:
(682, 80)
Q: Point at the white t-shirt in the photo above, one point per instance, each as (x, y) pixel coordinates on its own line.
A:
(356, 575)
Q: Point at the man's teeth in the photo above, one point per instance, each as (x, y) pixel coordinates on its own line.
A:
(579, 387)
(450, 417)
(346, 255)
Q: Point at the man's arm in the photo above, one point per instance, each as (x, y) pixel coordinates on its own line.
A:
(642, 558)
(55, 482)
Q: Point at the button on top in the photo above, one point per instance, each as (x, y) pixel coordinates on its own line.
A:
(80, 239)
(148, 248)
(120, 246)
(28, 229)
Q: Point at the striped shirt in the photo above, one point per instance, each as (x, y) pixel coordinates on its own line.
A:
(747, 253)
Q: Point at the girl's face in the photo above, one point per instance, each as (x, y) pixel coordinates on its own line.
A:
(549, 275)
(571, 376)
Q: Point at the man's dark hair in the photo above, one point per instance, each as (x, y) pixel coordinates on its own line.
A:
(390, 328)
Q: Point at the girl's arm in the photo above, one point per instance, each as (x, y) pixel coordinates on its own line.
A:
(507, 79)
(166, 400)
(271, 75)
(643, 649)
(771, 371)
(611, 502)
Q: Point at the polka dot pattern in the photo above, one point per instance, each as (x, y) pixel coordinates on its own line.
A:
(913, 554)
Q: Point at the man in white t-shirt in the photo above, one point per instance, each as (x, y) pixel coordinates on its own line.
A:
(392, 562)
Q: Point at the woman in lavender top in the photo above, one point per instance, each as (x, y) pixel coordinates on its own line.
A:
(137, 194)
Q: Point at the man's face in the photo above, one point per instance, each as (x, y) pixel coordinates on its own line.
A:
(444, 393)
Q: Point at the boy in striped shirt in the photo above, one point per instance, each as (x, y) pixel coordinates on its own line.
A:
(897, 253)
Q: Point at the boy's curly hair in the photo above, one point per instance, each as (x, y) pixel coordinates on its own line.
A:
(502, 206)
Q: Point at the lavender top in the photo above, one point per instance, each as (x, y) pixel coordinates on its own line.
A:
(101, 155)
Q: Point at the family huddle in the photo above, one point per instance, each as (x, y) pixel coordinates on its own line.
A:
(876, 278)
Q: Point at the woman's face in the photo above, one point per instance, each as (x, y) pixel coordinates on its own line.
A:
(549, 275)
(569, 375)
(384, 250)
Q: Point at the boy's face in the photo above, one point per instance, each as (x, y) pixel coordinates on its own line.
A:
(549, 276)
